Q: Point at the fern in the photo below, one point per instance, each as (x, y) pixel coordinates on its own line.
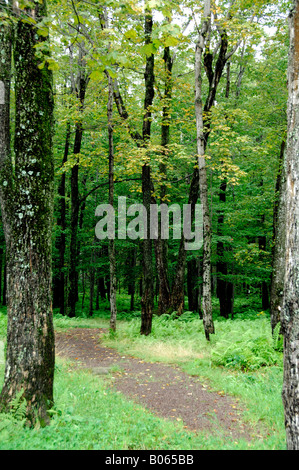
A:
(18, 406)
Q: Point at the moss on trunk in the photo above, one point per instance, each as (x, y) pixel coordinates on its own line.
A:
(28, 219)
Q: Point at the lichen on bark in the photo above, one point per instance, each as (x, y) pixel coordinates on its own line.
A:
(27, 212)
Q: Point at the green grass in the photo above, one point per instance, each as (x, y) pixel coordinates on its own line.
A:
(87, 416)
(240, 360)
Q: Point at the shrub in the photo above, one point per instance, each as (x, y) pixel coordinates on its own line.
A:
(247, 348)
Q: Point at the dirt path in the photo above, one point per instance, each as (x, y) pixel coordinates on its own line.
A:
(164, 390)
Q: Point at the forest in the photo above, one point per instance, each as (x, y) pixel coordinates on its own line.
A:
(149, 199)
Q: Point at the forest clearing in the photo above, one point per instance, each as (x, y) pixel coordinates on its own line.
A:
(149, 236)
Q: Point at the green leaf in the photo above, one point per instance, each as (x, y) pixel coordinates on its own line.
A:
(53, 65)
(96, 75)
(171, 41)
(43, 32)
(131, 34)
(148, 49)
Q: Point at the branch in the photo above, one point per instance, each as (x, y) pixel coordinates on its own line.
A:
(83, 198)
(106, 183)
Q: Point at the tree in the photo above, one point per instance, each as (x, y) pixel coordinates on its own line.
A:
(147, 296)
(290, 310)
(27, 206)
(203, 187)
(161, 245)
(79, 88)
(278, 261)
(124, 51)
(111, 247)
(59, 277)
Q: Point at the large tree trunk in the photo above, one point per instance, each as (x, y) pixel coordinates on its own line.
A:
(27, 211)
(290, 310)
(278, 263)
(1, 263)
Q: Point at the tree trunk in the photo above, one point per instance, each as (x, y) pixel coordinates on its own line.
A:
(161, 245)
(111, 246)
(161, 262)
(59, 280)
(203, 185)
(1, 263)
(192, 287)
(75, 200)
(278, 258)
(101, 291)
(199, 273)
(224, 287)
(262, 240)
(28, 209)
(73, 284)
(4, 296)
(290, 310)
(147, 296)
(214, 77)
(132, 280)
(177, 292)
(91, 279)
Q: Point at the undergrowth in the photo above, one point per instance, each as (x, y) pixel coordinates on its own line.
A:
(242, 359)
(89, 416)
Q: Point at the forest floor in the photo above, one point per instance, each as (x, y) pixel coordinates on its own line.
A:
(164, 390)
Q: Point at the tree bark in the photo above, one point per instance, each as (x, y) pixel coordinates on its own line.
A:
(278, 258)
(264, 286)
(221, 265)
(1, 263)
(161, 245)
(27, 209)
(75, 200)
(192, 285)
(111, 246)
(73, 283)
(262, 241)
(4, 296)
(92, 270)
(290, 310)
(101, 291)
(177, 291)
(203, 185)
(132, 279)
(147, 296)
(214, 76)
(59, 279)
